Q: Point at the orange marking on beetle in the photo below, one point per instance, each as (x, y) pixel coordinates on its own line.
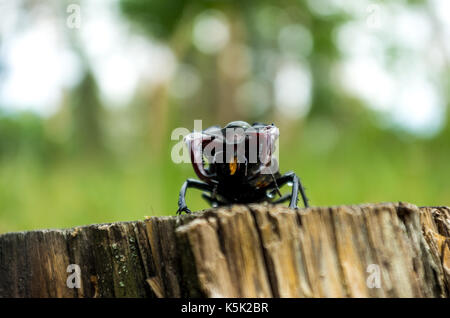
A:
(233, 166)
(262, 184)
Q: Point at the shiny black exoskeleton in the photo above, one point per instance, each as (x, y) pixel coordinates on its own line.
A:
(237, 165)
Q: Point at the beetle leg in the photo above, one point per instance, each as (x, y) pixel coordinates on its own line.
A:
(210, 200)
(190, 183)
(296, 187)
(213, 201)
(284, 198)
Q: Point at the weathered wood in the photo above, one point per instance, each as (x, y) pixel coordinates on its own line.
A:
(240, 251)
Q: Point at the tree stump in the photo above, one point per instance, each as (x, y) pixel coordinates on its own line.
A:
(371, 250)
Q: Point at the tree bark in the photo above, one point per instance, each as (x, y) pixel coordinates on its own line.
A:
(372, 250)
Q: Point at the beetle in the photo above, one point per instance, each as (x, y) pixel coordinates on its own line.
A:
(236, 164)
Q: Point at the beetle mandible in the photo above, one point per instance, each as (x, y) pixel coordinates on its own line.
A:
(235, 164)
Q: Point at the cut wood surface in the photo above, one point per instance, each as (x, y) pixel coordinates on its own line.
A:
(372, 250)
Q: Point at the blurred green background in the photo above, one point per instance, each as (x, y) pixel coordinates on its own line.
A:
(90, 92)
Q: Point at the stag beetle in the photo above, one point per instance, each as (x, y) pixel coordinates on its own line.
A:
(236, 165)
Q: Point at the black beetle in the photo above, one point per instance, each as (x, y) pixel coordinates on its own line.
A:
(236, 165)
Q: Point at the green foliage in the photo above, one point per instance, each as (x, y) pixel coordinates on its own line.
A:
(24, 134)
(158, 17)
(86, 108)
(92, 164)
(338, 163)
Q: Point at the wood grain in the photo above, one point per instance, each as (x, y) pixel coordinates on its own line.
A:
(240, 251)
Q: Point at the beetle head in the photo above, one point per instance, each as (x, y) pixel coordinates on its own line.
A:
(238, 150)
